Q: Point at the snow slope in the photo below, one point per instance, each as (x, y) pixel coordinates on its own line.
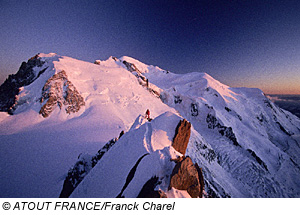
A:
(246, 145)
(148, 141)
(37, 152)
(254, 141)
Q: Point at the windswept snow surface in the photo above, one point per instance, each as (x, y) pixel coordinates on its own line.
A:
(246, 145)
(36, 153)
(152, 146)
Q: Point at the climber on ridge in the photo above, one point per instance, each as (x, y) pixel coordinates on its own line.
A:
(147, 114)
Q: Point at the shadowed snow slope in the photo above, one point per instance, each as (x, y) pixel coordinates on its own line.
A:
(107, 178)
(36, 152)
(245, 145)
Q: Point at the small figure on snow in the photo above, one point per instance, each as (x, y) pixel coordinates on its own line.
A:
(148, 114)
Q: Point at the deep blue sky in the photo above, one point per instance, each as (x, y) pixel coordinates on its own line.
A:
(240, 43)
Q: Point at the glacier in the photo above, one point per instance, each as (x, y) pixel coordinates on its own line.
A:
(245, 144)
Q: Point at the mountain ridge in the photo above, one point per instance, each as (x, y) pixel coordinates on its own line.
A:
(244, 143)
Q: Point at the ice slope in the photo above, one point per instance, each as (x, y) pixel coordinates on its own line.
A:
(147, 146)
(37, 152)
(254, 141)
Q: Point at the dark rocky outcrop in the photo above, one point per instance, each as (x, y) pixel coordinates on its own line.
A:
(81, 168)
(59, 91)
(228, 109)
(177, 100)
(185, 176)
(253, 154)
(103, 150)
(233, 113)
(182, 136)
(284, 130)
(148, 189)
(98, 62)
(269, 104)
(214, 190)
(75, 176)
(194, 109)
(213, 123)
(140, 77)
(261, 118)
(208, 153)
(131, 67)
(10, 88)
(201, 179)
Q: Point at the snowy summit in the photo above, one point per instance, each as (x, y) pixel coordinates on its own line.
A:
(72, 128)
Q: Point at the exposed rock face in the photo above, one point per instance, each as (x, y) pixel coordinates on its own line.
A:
(258, 159)
(186, 177)
(59, 91)
(10, 88)
(131, 67)
(201, 180)
(182, 136)
(76, 175)
(141, 78)
(81, 168)
(194, 109)
(98, 62)
(213, 123)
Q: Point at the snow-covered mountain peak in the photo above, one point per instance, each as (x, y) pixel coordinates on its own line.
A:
(47, 58)
(141, 67)
(49, 55)
(61, 107)
(102, 90)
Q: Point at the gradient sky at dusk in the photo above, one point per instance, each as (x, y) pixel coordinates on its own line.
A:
(240, 43)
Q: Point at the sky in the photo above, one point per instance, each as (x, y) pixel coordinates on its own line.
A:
(240, 43)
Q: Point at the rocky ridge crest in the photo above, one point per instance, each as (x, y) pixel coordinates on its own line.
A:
(11, 86)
